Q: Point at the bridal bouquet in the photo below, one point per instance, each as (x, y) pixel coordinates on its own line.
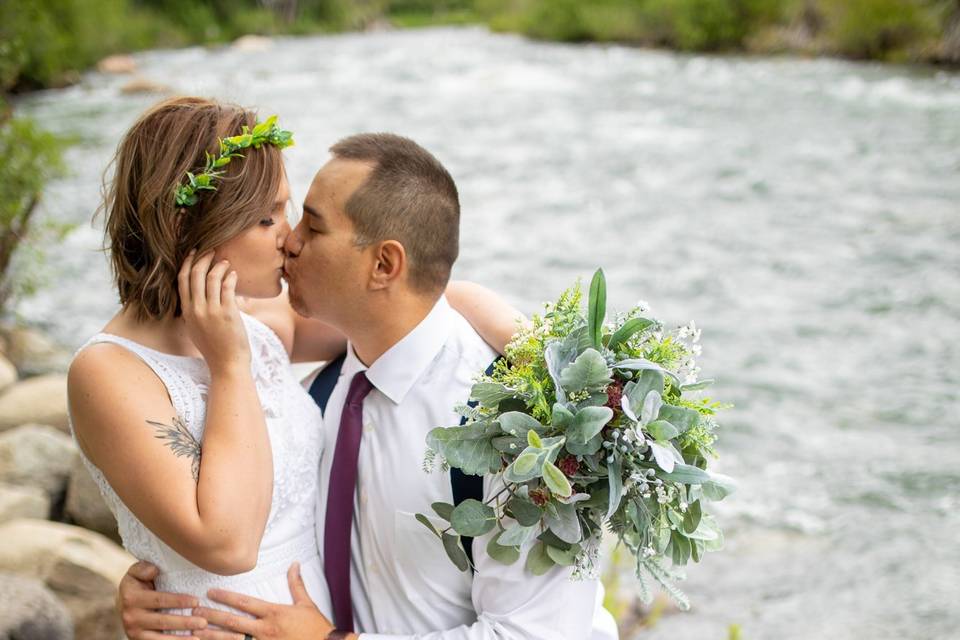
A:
(589, 422)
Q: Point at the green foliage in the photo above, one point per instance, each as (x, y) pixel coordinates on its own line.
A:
(590, 423)
(266, 132)
(879, 28)
(29, 158)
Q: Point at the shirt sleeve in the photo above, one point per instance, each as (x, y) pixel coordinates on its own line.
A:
(513, 604)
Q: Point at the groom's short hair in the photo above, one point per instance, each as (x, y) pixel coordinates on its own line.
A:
(409, 197)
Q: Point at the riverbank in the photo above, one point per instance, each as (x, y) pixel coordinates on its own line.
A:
(60, 560)
(899, 31)
(48, 44)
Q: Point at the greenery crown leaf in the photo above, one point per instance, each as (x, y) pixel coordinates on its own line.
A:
(266, 132)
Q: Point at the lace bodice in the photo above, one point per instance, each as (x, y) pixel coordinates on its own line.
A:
(294, 425)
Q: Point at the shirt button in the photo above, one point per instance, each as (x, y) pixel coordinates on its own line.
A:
(367, 428)
(363, 497)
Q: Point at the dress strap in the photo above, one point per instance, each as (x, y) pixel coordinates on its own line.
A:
(179, 374)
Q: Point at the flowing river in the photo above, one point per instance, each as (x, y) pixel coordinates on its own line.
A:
(805, 212)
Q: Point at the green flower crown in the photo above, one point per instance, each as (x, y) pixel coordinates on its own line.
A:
(266, 132)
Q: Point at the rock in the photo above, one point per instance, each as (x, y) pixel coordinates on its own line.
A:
(36, 455)
(120, 63)
(8, 373)
(85, 505)
(33, 353)
(41, 400)
(22, 502)
(81, 567)
(30, 611)
(252, 42)
(139, 84)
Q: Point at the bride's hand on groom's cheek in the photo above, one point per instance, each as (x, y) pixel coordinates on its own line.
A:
(299, 621)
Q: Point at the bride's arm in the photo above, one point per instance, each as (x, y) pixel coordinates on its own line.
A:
(209, 501)
(494, 319)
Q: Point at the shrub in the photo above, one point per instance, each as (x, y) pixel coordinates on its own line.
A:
(29, 158)
(878, 28)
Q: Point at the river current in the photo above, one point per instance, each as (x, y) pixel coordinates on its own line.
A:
(805, 212)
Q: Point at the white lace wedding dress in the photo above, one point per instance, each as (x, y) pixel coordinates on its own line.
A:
(295, 427)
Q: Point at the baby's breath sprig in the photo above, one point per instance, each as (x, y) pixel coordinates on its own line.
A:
(266, 132)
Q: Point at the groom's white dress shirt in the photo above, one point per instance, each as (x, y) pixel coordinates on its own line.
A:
(402, 584)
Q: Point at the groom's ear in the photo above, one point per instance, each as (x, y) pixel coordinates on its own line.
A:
(389, 264)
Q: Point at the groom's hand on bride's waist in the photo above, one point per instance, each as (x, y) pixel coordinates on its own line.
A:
(299, 621)
(140, 605)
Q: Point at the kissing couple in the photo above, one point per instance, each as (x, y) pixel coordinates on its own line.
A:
(263, 507)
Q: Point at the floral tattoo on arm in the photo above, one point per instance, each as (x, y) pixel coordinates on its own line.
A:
(181, 442)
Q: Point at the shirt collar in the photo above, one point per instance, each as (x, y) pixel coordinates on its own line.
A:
(395, 372)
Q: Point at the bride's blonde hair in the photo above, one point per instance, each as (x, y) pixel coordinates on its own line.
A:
(146, 233)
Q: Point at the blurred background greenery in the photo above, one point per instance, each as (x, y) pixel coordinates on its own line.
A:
(46, 43)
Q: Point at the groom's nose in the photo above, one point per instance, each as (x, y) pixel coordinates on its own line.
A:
(292, 244)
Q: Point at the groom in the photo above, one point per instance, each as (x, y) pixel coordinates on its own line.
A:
(372, 256)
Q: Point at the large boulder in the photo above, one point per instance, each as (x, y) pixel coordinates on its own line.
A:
(36, 455)
(22, 502)
(81, 567)
(42, 400)
(85, 505)
(8, 373)
(33, 353)
(30, 611)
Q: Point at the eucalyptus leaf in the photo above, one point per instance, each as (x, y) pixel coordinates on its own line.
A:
(627, 331)
(473, 518)
(565, 524)
(651, 407)
(425, 521)
(663, 456)
(687, 474)
(641, 364)
(563, 558)
(691, 519)
(615, 482)
(587, 423)
(589, 371)
(451, 544)
(597, 308)
(489, 394)
(443, 509)
(697, 386)
(592, 446)
(662, 430)
(468, 448)
(524, 511)
(682, 418)
(538, 562)
(556, 481)
(562, 417)
(558, 355)
(504, 555)
(516, 535)
(718, 487)
(550, 539)
(681, 549)
(516, 423)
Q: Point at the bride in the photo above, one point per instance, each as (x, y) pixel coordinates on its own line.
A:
(182, 371)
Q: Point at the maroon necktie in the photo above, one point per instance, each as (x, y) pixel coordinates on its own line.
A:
(339, 517)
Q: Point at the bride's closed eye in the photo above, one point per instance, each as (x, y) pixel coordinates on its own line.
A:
(268, 222)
